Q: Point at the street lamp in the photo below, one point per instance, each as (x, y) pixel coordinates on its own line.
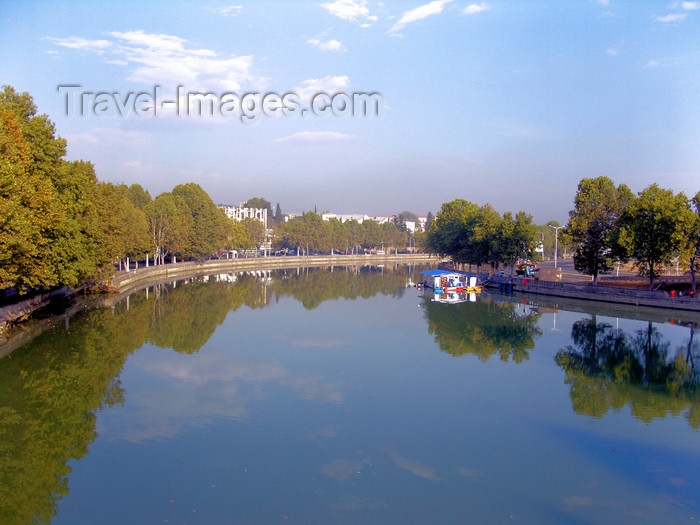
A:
(556, 241)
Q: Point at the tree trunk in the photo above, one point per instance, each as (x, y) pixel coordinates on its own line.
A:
(692, 277)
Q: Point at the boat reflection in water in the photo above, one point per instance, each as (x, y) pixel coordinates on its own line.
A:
(450, 297)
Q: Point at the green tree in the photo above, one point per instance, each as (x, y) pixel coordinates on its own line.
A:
(50, 231)
(168, 225)
(514, 239)
(654, 229)
(138, 196)
(453, 229)
(393, 237)
(256, 232)
(125, 228)
(29, 210)
(429, 220)
(260, 203)
(594, 222)
(691, 251)
(404, 217)
(278, 214)
(373, 235)
(209, 224)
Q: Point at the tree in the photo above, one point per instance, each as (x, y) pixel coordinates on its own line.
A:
(138, 196)
(255, 230)
(404, 217)
(125, 228)
(373, 235)
(50, 231)
(514, 239)
(29, 209)
(278, 214)
(168, 225)
(692, 248)
(209, 224)
(654, 229)
(452, 229)
(593, 224)
(392, 236)
(260, 203)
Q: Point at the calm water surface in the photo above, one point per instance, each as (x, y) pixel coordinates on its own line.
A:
(348, 397)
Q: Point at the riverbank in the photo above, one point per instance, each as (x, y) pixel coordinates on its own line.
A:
(135, 279)
(632, 297)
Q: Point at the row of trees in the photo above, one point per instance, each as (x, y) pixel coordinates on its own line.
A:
(60, 226)
(478, 235)
(610, 224)
(311, 233)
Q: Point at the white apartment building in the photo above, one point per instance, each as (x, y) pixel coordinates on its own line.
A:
(238, 213)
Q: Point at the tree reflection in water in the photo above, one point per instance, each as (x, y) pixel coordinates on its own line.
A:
(483, 328)
(52, 388)
(608, 368)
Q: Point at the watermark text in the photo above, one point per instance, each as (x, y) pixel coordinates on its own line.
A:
(247, 107)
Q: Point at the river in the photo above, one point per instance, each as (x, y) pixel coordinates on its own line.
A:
(349, 396)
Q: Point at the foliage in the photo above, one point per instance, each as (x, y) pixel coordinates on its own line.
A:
(691, 249)
(209, 226)
(30, 212)
(470, 234)
(260, 203)
(654, 229)
(138, 196)
(404, 217)
(255, 232)
(594, 222)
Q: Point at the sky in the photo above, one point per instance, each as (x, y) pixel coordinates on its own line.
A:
(509, 103)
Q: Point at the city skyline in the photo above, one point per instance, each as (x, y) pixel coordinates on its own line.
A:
(507, 103)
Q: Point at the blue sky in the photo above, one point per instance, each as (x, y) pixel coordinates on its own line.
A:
(504, 102)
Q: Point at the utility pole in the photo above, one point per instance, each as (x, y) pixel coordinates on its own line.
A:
(556, 241)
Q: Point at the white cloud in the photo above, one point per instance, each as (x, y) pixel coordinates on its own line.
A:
(351, 10)
(81, 44)
(314, 137)
(673, 17)
(472, 9)
(690, 6)
(167, 60)
(330, 45)
(231, 10)
(419, 13)
(604, 2)
(612, 51)
(329, 84)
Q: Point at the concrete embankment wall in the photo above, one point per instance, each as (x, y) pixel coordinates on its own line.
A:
(656, 299)
(126, 281)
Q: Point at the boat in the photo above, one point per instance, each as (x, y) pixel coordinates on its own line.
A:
(444, 281)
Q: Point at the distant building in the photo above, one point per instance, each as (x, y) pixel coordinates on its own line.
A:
(238, 213)
(345, 217)
(381, 219)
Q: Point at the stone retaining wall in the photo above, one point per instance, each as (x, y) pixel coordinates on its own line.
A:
(125, 281)
(655, 299)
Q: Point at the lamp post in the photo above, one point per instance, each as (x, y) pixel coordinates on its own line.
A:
(556, 241)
